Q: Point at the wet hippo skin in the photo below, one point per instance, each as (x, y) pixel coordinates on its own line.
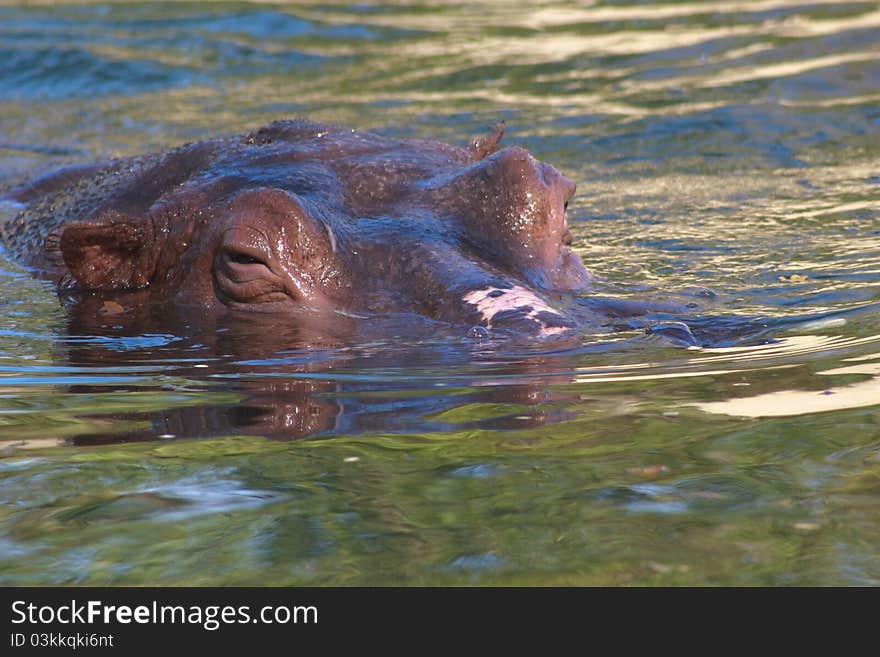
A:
(306, 220)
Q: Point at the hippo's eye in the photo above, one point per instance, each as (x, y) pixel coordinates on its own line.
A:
(243, 275)
(242, 258)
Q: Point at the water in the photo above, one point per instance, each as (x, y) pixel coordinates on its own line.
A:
(726, 154)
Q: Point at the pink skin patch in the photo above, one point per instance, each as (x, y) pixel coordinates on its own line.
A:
(511, 299)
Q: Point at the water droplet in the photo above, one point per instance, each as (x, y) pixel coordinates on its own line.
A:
(478, 333)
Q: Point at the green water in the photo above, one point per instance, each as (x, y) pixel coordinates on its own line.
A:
(727, 154)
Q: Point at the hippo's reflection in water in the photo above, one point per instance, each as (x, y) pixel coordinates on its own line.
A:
(290, 382)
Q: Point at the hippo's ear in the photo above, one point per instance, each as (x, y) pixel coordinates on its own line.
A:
(108, 255)
(486, 144)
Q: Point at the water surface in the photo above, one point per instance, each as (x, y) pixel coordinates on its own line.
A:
(727, 156)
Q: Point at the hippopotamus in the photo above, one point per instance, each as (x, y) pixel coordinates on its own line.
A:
(303, 221)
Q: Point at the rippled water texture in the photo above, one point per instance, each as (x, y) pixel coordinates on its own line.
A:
(727, 154)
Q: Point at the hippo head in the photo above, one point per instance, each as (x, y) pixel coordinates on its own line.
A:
(302, 218)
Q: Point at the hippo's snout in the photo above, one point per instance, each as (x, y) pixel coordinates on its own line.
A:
(557, 182)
